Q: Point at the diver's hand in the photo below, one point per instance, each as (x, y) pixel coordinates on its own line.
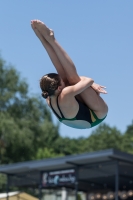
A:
(99, 88)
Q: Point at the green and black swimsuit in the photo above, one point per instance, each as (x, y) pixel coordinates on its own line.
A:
(85, 118)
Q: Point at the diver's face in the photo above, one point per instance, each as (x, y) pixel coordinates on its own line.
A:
(62, 86)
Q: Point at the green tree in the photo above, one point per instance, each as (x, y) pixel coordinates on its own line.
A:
(105, 137)
(128, 138)
(46, 153)
(68, 146)
(27, 130)
(129, 129)
(3, 179)
(26, 123)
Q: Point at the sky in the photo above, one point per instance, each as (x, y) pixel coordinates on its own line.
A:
(97, 35)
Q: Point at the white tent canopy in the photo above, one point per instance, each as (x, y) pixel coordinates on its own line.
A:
(17, 196)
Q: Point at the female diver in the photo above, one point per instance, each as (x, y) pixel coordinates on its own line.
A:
(75, 100)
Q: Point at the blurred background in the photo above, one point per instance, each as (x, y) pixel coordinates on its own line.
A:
(98, 37)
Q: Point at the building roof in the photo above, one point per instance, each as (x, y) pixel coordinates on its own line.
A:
(95, 167)
(67, 161)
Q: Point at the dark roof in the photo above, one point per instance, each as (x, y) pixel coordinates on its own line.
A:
(95, 167)
(64, 162)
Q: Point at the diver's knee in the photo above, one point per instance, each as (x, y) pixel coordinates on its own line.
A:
(102, 112)
(73, 79)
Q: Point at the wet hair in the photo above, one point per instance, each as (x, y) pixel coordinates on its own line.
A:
(49, 83)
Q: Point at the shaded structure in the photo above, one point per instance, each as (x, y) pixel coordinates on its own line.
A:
(97, 172)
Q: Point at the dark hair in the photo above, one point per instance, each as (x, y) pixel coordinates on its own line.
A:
(49, 83)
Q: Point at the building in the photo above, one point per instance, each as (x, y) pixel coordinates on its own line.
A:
(100, 175)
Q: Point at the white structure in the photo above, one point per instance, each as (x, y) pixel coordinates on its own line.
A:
(17, 196)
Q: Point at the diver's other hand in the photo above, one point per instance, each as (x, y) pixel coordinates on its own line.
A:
(99, 88)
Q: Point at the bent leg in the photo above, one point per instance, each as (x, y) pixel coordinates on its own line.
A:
(56, 62)
(94, 102)
(89, 96)
(66, 62)
(63, 57)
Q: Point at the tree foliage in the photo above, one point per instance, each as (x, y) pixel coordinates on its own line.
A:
(25, 122)
(128, 138)
(104, 137)
(3, 180)
(27, 131)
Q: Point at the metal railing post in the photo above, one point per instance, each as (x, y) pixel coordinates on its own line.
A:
(116, 181)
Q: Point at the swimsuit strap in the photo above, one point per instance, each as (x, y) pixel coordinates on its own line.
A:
(54, 110)
(59, 107)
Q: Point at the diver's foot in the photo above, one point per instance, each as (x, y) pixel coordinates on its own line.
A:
(43, 29)
(38, 34)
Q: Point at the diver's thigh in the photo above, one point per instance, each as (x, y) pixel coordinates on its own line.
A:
(94, 102)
